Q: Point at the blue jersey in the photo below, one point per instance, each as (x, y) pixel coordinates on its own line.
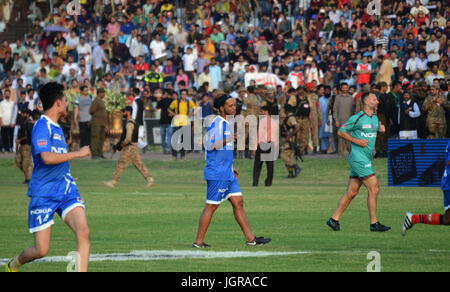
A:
(445, 181)
(49, 181)
(219, 163)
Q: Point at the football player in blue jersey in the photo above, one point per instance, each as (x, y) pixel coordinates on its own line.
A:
(52, 188)
(221, 176)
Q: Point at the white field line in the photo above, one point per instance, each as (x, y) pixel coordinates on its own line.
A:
(146, 255)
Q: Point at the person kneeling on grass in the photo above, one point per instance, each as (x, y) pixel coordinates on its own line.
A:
(221, 175)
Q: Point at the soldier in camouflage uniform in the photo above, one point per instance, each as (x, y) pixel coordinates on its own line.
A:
(282, 99)
(316, 115)
(303, 115)
(436, 105)
(130, 152)
(24, 161)
(288, 132)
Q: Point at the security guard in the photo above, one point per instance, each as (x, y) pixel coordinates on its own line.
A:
(316, 115)
(130, 154)
(24, 161)
(288, 131)
(435, 105)
(154, 78)
(271, 102)
(303, 115)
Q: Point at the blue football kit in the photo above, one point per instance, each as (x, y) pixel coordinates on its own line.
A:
(52, 188)
(445, 181)
(218, 173)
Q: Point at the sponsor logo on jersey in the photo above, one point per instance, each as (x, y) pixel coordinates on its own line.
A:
(40, 211)
(59, 150)
(367, 126)
(42, 142)
(57, 137)
(369, 135)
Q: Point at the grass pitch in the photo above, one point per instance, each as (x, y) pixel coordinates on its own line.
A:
(292, 212)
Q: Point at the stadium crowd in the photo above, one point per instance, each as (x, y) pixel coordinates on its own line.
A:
(172, 59)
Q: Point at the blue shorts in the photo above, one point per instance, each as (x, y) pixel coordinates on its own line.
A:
(446, 200)
(220, 190)
(41, 210)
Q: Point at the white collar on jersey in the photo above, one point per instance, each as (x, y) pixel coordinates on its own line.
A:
(50, 121)
(220, 117)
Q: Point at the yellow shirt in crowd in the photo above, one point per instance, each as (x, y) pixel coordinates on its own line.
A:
(182, 114)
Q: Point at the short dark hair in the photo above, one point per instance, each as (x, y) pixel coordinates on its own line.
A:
(364, 96)
(35, 114)
(49, 93)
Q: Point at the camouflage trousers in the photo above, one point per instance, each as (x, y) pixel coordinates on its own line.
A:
(437, 128)
(130, 154)
(288, 157)
(24, 161)
(315, 132)
(303, 133)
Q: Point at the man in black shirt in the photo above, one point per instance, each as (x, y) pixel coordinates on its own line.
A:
(364, 43)
(165, 120)
(176, 59)
(284, 69)
(388, 116)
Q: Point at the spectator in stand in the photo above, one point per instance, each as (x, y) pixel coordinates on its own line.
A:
(169, 72)
(82, 118)
(408, 114)
(8, 116)
(98, 59)
(180, 110)
(235, 38)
